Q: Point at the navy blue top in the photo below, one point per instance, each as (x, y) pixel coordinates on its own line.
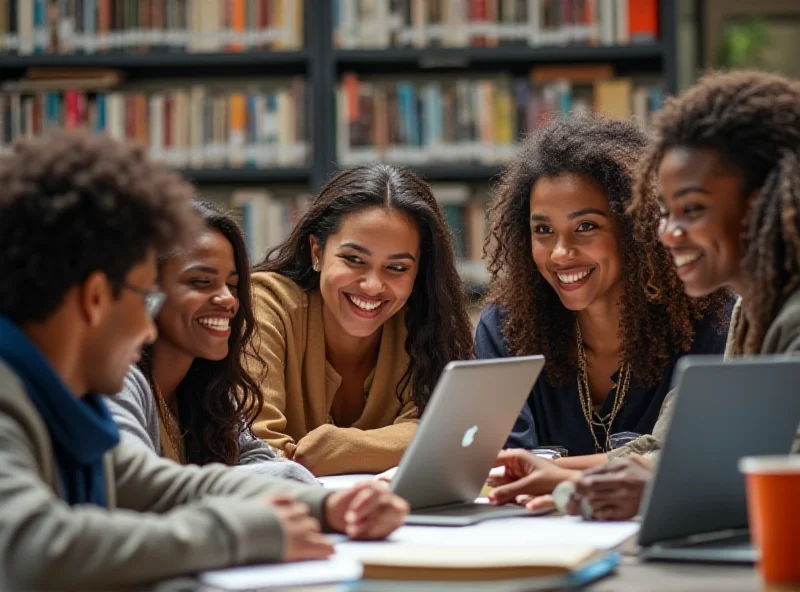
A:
(552, 416)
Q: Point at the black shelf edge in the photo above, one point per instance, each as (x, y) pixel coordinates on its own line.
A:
(156, 59)
(454, 172)
(463, 57)
(247, 175)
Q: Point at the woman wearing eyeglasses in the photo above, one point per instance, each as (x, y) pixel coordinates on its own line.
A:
(190, 398)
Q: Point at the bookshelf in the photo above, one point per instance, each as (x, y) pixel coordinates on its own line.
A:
(321, 60)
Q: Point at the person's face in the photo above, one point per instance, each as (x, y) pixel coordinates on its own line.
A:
(201, 286)
(703, 208)
(119, 328)
(368, 268)
(575, 239)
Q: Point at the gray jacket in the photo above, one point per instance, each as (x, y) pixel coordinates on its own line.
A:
(135, 412)
(162, 520)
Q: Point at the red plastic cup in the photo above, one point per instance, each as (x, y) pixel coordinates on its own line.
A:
(773, 504)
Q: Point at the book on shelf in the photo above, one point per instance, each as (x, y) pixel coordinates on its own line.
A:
(91, 26)
(468, 120)
(195, 127)
(266, 220)
(381, 24)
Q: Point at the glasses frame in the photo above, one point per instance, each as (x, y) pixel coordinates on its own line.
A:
(153, 299)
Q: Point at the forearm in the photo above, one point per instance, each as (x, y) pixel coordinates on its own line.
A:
(329, 450)
(581, 463)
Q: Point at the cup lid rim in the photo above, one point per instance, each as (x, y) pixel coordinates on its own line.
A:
(787, 463)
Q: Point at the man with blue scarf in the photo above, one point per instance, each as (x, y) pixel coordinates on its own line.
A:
(82, 219)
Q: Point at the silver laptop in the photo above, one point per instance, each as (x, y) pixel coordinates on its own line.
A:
(694, 508)
(465, 425)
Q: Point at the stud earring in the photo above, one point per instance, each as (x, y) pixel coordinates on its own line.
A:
(315, 267)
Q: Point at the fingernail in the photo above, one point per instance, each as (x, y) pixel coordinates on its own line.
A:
(350, 516)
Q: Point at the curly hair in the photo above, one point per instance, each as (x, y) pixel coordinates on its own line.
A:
(71, 204)
(218, 400)
(752, 120)
(658, 318)
(437, 324)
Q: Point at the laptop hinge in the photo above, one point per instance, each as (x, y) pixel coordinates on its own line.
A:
(703, 538)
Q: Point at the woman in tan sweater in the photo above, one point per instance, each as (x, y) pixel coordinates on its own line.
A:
(357, 313)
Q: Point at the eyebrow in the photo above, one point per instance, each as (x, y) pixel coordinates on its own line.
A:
(686, 191)
(367, 252)
(572, 216)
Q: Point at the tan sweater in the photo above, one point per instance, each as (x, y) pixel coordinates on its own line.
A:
(299, 385)
(163, 520)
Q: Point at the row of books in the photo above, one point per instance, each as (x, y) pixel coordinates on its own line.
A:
(379, 24)
(267, 220)
(90, 26)
(471, 120)
(194, 127)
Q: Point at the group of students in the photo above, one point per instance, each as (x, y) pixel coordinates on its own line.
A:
(127, 305)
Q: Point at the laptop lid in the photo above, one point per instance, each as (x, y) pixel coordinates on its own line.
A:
(722, 412)
(465, 425)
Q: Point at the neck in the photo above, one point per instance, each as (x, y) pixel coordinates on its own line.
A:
(62, 355)
(169, 367)
(739, 285)
(599, 323)
(345, 351)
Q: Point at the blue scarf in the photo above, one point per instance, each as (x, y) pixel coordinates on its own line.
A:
(81, 429)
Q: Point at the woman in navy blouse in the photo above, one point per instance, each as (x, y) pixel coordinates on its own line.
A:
(571, 280)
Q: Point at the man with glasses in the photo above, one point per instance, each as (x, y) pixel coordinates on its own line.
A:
(82, 219)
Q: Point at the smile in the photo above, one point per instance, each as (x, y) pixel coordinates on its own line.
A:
(365, 305)
(681, 260)
(220, 324)
(572, 278)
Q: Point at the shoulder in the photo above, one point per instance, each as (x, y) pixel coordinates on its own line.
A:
(489, 340)
(276, 295)
(783, 334)
(711, 331)
(14, 402)
(135, 387)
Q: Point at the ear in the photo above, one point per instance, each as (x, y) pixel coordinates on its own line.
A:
(95, 298)
(316, 249)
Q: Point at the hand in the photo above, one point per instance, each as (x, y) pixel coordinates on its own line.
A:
(614, 490)
(288, 450)
(301, 531)
(525, 473)
(367, 511)
(386, 476)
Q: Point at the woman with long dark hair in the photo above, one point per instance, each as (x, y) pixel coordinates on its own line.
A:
(190, 398)
(358, 312)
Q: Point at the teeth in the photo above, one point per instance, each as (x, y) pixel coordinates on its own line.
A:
(571, 278)
(367, 305)
(218, 323)
(681, 260)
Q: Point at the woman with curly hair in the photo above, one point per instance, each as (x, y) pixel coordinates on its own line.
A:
(358, 312)
(727, 162)
(571, 280)
(189, 398)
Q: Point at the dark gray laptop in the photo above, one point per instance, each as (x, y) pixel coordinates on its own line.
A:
(465, 425)
(694, 508)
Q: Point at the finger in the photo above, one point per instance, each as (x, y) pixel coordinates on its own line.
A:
(509, 456)
(386, 519)
(363, 503)
(282, 499)
(509, 491)
(314, 546)
(295, 511)
(573, 506)
(605, 469)
(610, 513)
(523, 499)
(541, 503)
(382, 504)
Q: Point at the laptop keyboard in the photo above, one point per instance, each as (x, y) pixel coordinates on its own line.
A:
(465, 510)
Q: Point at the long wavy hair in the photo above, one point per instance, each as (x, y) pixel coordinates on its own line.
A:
(752, 121)
(436, 319)
(658, 318)
(217, 399)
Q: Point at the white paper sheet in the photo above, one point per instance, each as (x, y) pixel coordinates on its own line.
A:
(343, 481)
(306, 573)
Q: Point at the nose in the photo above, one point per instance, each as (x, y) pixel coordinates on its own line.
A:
(371, 283)
(225, 298)
(670, 233)
(563, 252)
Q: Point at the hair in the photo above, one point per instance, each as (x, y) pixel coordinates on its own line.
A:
(658, 318)
(72, 204)
(437, 324)
(752, 121)
(218, 400)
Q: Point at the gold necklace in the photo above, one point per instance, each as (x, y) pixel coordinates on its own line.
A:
(585, 395)
(172, 427)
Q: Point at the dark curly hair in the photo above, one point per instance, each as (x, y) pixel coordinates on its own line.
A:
(71, 204)
(658, 319)
(752, 121)
(437, 324)
(217, 399)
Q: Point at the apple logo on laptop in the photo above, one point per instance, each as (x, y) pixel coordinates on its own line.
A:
(469, 436)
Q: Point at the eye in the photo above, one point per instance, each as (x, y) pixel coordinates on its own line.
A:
(234, 288)
(354, 259)
(199, 282)
(692, 210)
(398, 268)
(586, 226)
(542, 229)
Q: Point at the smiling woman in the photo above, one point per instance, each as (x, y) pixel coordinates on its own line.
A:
(190, 398)
(358, 312)
(571, 280)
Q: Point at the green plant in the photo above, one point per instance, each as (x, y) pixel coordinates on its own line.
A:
(743, 43)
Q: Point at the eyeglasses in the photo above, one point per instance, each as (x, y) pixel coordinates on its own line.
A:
(153, 299)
